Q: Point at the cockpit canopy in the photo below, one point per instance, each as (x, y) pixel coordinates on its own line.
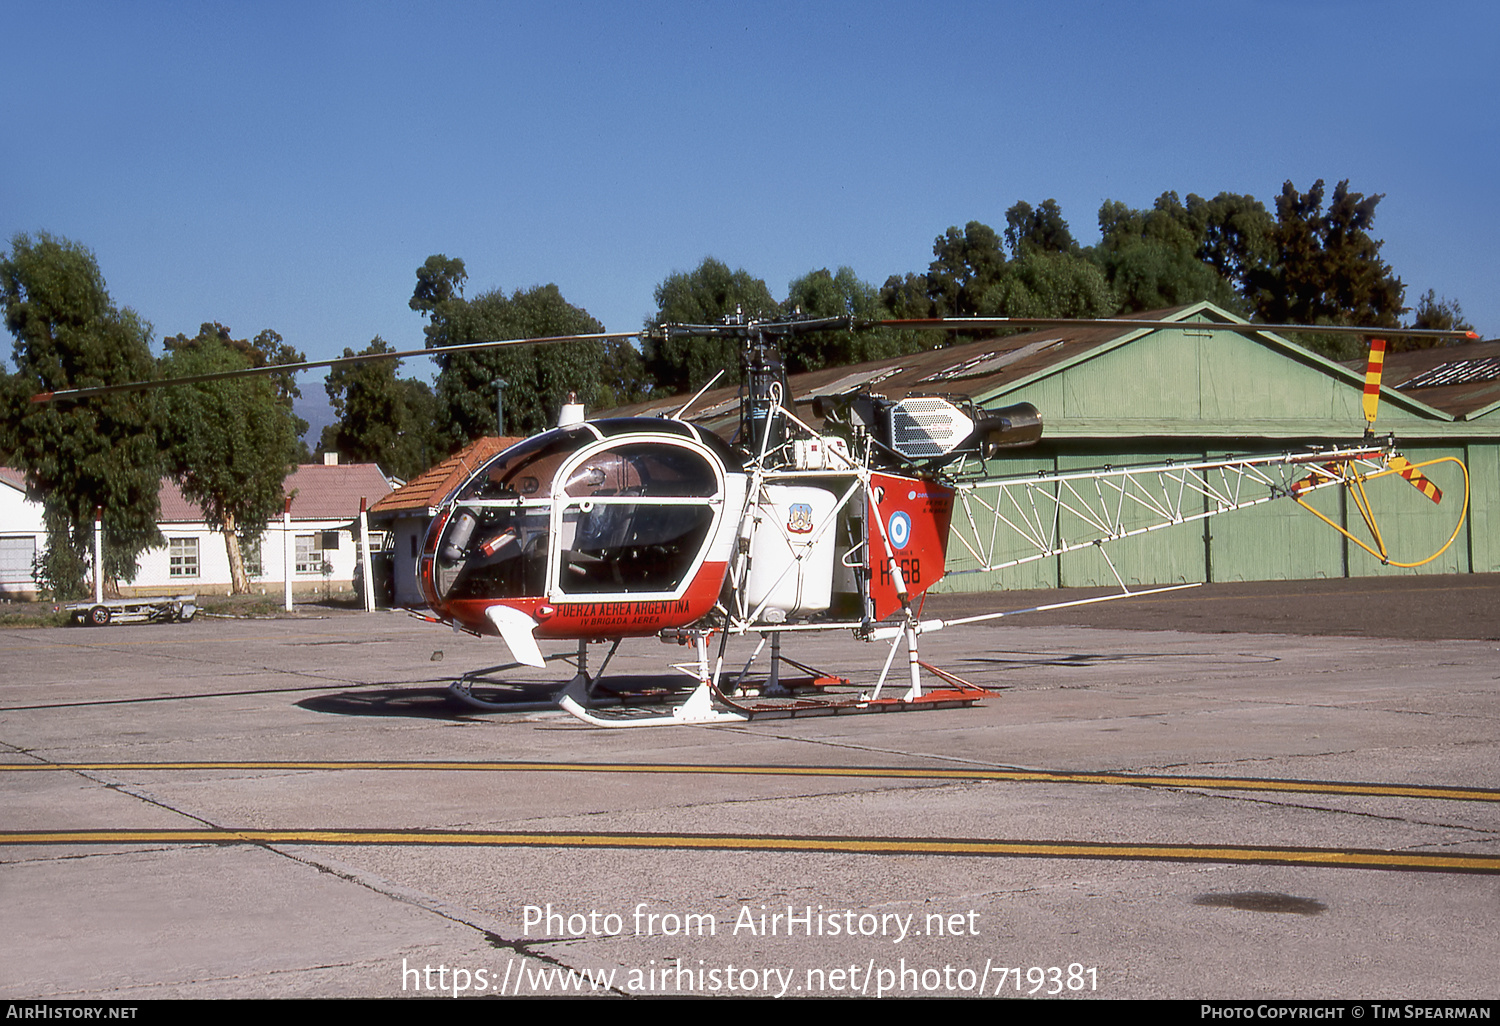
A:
(602, 508)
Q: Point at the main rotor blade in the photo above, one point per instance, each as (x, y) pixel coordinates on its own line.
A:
(293, 368)
(980, 323)
(746, 328)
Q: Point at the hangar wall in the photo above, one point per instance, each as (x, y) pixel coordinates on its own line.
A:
(1278, 540)
(1183, 394)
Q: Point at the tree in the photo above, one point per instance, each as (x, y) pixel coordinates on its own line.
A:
(268, 349)
(966, 265)
(98, 452)
(439, 280)
(841, 294)
(622, 376)
(1325, 267)
(229, 444)
(1438, 314)
(1234, 236)
(538, 377)
(904, 297)
(382, 419)
(1050, 284)
(1151, 258)
(12, 394)
(1042, 230)
(706, 295)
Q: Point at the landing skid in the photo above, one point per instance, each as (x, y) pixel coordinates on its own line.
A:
(708, 704)
(490, 691)
(695, 697)
(487, 692)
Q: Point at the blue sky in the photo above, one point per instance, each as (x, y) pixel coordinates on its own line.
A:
(289, 166)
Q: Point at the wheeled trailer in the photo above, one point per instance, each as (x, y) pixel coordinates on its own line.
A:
(161, 609)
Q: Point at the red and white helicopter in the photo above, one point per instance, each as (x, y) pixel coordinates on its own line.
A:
(604, 530)
(599, 531)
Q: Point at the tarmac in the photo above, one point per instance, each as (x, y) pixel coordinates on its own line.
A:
(1250, 792)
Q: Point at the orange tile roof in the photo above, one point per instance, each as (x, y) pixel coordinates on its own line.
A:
(428, 488)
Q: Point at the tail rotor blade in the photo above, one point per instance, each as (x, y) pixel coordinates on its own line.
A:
(1419, 481)
(1372, 379)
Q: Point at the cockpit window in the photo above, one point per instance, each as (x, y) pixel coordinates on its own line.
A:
(630, 547)
(626, 526)
(631, 518)
(653, 470)
(526, 470)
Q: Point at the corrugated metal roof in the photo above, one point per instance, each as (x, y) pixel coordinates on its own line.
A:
(974, 369)
(1456, 393)
(429, 488)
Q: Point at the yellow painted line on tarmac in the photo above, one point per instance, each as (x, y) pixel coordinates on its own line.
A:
(1357, 788)
(102, 643)
(966, 847)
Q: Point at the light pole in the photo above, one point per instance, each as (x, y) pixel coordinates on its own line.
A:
(499, 385)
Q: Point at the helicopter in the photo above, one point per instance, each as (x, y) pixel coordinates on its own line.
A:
(603, 530)
(633, 527)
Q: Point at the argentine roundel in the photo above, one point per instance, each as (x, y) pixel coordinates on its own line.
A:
(899, 528)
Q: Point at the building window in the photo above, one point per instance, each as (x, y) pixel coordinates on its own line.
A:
(16, 556)
(182, 556)
(250, 554)
(309, 554)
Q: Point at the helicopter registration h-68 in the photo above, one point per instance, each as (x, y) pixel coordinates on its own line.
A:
(603, 530)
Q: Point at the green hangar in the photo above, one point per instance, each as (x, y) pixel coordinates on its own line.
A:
(1113, 396)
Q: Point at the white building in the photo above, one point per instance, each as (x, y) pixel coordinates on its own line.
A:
(321, 543)
(22, 536)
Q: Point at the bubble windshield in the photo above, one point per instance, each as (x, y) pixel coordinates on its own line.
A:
(633, 518)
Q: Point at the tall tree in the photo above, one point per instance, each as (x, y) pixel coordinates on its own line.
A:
(1234, 236)
(12, 394)
(538, 377)
(966, 264)
(229, 444)
(1326, 269)
(705, 295)
(268, 349)
(1431, 312)
(1151, 257)
(99, 452)
(905, 297)
(383, 419)
(1040, 230)
(842, 294)
(1050, 284)
(439, 280)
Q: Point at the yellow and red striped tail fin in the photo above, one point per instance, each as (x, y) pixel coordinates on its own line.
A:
(1402, 466)
(1372, 378)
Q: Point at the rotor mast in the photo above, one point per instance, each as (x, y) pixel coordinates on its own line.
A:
(763, 382)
